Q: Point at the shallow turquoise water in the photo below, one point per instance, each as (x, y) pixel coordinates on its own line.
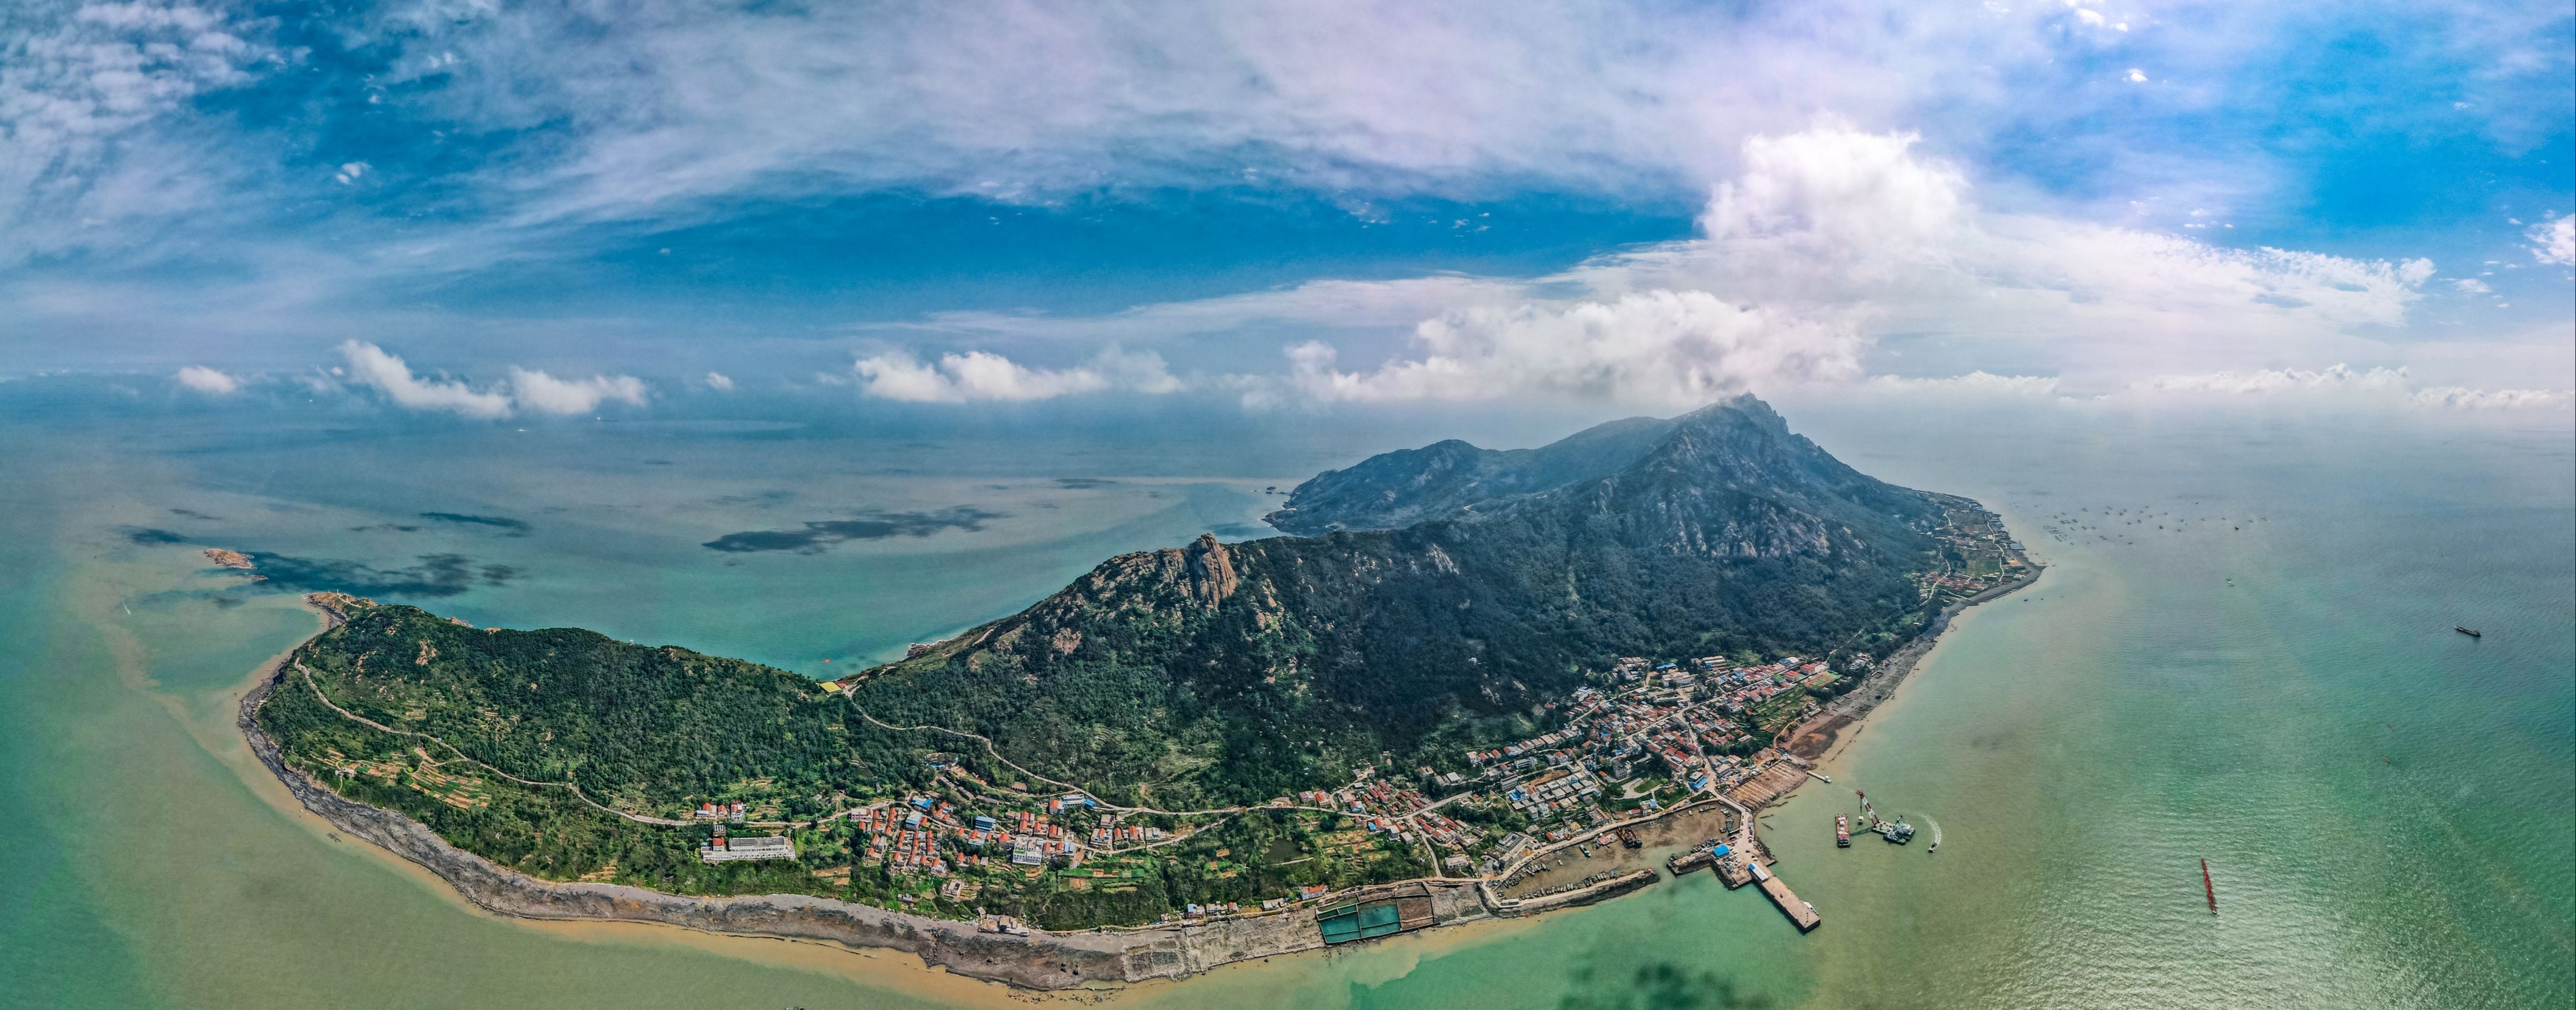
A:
(2386, 805)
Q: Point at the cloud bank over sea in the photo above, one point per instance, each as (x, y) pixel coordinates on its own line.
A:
(509, 214)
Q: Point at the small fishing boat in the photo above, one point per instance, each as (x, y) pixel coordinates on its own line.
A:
(2471, 632)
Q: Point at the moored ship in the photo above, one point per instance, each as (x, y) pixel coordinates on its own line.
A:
(1842, 831)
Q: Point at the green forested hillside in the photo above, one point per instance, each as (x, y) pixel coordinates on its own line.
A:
(647, 730)
(1224, 674)
(1210, 676)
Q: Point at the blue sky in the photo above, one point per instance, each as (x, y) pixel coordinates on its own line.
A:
(490, 209)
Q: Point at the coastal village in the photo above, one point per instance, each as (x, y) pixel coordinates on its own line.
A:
(1652, 766)
(1693, 742)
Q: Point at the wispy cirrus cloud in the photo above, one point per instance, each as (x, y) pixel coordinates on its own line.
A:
(2007, 192)
(79, 85)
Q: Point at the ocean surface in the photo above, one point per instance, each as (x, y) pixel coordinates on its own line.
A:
(2241, 652)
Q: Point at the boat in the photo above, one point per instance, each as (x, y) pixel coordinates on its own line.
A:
(2471, 632)
(1898, 832)
(2209, 888)
(1628, 837)
(1842, 831)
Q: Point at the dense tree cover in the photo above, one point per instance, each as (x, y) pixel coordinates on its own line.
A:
(1210, 676)
(1228, 674)
(541, 831)
(1444, 479)
(652, 730)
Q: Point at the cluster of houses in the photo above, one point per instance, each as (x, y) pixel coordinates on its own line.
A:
(908, 835)
(1676, 718)
(1381, 805)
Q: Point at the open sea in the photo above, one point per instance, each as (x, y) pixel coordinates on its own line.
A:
(2241, 652)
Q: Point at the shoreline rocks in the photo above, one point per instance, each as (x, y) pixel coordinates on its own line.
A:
(1039, 960)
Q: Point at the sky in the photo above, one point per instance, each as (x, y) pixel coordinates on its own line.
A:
(484, 211)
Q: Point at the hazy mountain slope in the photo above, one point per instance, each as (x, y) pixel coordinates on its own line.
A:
(1398, 489)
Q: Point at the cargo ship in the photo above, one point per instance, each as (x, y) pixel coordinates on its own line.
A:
(2471, 632)
(1842, 831)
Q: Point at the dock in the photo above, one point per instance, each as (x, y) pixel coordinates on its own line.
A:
(1798, 911)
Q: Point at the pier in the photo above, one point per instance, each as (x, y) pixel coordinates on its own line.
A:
(1798, 911)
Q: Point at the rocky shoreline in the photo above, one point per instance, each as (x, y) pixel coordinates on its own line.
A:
(1039, 960)
(1811, 739)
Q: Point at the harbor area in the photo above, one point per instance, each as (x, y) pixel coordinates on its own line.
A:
(1603, 855)
(1798, 911)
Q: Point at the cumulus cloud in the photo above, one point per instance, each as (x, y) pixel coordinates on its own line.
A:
(537, 390)
(371, 366)
(1834, 241)
(530, 389)
(207, 380)
(2554, 241)
(1662, 347)
(2471, 286)
(986, 376)
(719, 382)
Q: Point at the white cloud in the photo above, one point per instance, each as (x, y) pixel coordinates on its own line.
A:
(2135, 76)
(351, 172)
(2388, 386)
(1974, 384)
(2554, 241)
(985, 376)
(1661, 347)
(207, 380)
(2279, 380)
(1837, 246)
(78, 83)
(719, 382)
(528, 388)
(539, 391)
(2471, 286)
(2489, 399)
(370, 365)
(1836, 252)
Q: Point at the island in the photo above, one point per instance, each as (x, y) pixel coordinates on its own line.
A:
(1457, 668)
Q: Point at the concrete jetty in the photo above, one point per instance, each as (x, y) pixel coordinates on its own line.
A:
(1798, 911)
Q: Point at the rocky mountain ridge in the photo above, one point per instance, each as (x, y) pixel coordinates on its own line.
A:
(1224, 673)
